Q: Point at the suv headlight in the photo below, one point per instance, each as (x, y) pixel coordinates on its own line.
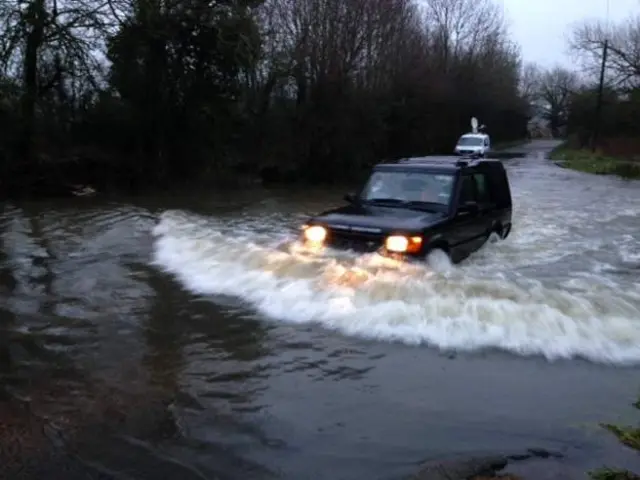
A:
(315, 233)
(403, 244)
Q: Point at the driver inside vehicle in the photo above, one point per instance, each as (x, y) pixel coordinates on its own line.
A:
(385, 187)
(409, 187)
(420, 190)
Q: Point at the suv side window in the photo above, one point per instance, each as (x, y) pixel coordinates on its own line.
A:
(498, 186)
(468, 189)
(482, 186)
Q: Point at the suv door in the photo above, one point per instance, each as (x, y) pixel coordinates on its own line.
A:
(469, 229)
(500, 197)
(486, 200)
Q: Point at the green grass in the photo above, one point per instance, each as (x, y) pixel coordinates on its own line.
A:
(609, 474)
(587, 161)
(629, 436)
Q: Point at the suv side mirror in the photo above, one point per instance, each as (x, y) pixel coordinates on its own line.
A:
(349, 197)
(469, 207)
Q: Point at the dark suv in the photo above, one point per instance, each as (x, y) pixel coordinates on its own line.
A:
(420, 204)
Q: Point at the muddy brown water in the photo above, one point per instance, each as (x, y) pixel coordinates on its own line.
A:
(170, 338)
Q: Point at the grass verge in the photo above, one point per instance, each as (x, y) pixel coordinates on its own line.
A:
(629, 436)
(587, 161)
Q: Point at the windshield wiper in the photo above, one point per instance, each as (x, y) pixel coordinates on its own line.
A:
(390, 202)
(423, 205)
(394, 201)
(431, 206)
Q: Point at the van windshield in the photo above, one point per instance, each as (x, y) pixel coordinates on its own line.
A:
(419, 187)
(470, 141)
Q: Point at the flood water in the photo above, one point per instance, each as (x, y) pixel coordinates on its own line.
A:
(172, 338)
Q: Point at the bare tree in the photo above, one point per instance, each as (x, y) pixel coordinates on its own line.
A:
(462, 27)
(555, 88)
(623, 59)
(51, 45)
(529, 84)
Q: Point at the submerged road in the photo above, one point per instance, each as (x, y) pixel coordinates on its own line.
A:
(168, 338)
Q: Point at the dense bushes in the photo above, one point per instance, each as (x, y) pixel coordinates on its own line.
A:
(149, 92)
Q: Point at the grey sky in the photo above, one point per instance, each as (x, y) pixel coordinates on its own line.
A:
(541, 27)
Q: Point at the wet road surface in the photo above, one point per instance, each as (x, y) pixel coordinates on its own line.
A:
(169, 338)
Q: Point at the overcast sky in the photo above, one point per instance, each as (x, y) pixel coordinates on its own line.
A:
(541, 27)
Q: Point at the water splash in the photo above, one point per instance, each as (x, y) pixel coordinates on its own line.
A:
(487, 303)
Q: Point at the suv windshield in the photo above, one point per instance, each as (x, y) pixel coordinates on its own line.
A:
(470, 141)
(403, 187)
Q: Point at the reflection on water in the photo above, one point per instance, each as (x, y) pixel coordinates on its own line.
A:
(93, 340)
(252, 361)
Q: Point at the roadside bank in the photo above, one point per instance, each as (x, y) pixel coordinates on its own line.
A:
(584, 160)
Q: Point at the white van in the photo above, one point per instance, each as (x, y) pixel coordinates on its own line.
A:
(473, 144)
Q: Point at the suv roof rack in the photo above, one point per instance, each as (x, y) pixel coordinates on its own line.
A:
(434, 159)
(457, 161)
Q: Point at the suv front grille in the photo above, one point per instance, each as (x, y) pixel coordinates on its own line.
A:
(356, 241)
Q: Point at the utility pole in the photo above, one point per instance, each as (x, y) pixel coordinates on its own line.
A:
(596, 126)
(603, 67)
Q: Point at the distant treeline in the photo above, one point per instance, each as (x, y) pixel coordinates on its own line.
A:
(568, 98)
(153, 92)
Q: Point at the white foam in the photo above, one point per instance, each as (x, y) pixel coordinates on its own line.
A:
(463, 308)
